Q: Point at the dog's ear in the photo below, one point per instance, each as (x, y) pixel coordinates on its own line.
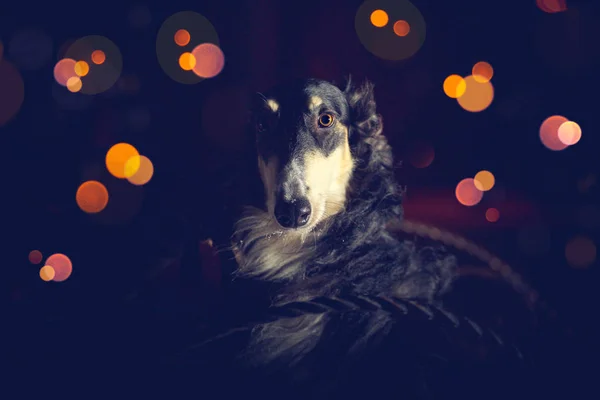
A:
(363, 110)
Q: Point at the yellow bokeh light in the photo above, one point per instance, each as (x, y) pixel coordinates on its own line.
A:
(182, 37)
(92, 197)
(483, 72)
(187, 61)
(81, 68)
(478, 95)
(74, 84)
(401, 28)
(117, 157)
(484, 180)
(98, 57)
(569, 133)
(144, 172)
(467, 193)
(454, 86)
(47, 273)
(379, 18)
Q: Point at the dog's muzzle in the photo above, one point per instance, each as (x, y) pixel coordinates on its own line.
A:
(292, 214)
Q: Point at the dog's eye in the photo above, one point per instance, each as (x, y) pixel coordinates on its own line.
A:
(326, 120)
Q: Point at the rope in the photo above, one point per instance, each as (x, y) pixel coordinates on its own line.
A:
(394, 306)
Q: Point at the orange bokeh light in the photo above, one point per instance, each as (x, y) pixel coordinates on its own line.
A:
(569, 133)
(144, 173)
(116, 160)
(81, 68)
(62, 266)
(580, 252)
(74, 84)
(552, 6)
(91, 197)
(35, 256)
(454, 86)
(210, 60)
(549, 132)
(483, 72)
(64, 70)
(187, 61)
(467, 193)
(47, 273)
(492, 215)
(379, 18)
(98, 57)
(484, 180)
(401, 28)
(478, 95)
(182, 37)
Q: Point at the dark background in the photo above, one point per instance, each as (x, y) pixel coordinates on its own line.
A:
(544, 64)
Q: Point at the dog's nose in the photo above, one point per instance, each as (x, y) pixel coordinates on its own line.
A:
(292, 214)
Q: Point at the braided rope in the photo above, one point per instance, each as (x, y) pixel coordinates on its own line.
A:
(394, 306)
(516, 281)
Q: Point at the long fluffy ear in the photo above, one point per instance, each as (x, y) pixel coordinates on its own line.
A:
(363, 110)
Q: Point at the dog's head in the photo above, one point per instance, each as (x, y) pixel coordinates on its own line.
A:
(303, 135)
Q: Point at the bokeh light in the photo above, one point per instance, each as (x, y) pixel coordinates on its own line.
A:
(74, 84)
(81, 68)
(182, 37)
(64, 70)
(91, 197)
(478, 95)
(12, 91)
(107, 60)
(390, 44)
(379, 18)
(187, 61)
(117, 157)
(209, 60)
(1, 50)
(144, 172)
(98, 57)
(482, 72)
(30, 49)
(467, 193)
(484, 180)
(35, 256)
(168, 51)
(580, 252)
(47, 273)
(454, 86)
(569, 133)
(420, 154)
(549, 132)
(401, 28)
(62, 266)
(492, 215)
(552, 6)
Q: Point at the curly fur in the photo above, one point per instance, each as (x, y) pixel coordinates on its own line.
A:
(351, 252)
